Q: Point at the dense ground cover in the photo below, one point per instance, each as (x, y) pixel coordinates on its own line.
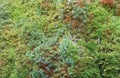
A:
(59, 39)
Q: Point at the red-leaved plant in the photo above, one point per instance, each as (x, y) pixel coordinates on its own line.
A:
(107, 2)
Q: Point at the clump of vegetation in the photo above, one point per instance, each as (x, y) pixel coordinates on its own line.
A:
(59, 39)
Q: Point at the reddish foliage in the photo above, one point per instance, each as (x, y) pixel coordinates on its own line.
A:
(89, 1)
(81, 3)
(108, 2)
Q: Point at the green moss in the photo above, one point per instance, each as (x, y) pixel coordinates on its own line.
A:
(36, 43)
